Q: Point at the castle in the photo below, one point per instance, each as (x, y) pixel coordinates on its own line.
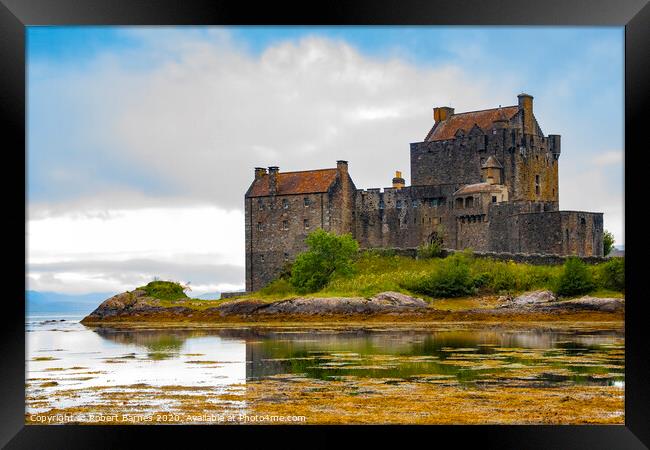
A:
(486, 180)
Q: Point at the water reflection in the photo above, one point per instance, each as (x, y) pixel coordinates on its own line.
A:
(468, 355)
(76, 356)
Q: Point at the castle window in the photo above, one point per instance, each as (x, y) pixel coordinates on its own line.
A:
(459, 203)
(285, 203)
(381, 204)
(415, 220)
(583, 221)
(399, 204)
(285, 224)
(566, 233)
(260, 204)
(306, 202)
(306, 223)
(286, 256)
(494, 199)
(261, 258)
(259, 226)
(469, 202)
(537, 184)
(414, 203)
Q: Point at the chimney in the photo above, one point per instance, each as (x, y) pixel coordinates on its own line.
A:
(342, 166)
(259, 172)
(273, 179)
(398, 181)
(442, 113)
(526, 105)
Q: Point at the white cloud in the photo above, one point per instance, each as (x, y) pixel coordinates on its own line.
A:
(120, 249)
(609, 158)
(205, 113)
(590, 189)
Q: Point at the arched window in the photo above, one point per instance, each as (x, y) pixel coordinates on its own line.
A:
(469, 202)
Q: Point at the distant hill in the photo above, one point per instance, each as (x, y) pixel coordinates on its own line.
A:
(209, 296)
(54, 302)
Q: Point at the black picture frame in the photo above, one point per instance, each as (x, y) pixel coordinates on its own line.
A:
(15, 15)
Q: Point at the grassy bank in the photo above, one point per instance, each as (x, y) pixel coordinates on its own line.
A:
(456, 277)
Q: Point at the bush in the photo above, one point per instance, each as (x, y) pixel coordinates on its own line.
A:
(329, 254)
(608, 242)
(575, 279)
(611, 275)
(452, 278)
(164, 290)
(431, 250)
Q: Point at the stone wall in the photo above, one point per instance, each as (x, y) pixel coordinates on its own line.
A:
(527, 258)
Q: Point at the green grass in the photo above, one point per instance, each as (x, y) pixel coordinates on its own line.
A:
(375, 272)
(164, 290)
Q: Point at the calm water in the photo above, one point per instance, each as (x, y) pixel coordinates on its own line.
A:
(62, 351)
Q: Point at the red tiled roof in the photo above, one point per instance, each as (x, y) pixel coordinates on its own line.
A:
(304, 182)
(465, 121)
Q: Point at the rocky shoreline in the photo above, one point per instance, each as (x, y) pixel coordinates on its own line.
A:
(136, 306)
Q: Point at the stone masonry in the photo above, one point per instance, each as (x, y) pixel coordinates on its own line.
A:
(486, 180)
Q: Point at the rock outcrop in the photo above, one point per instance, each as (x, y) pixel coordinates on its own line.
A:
(136, 303)
(385, 302)
(546, 301)
(137, 306)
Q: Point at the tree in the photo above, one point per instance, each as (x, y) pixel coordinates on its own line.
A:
(608, 242)
(575, 279)
(329, 254)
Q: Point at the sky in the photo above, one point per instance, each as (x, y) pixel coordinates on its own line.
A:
(141, 141)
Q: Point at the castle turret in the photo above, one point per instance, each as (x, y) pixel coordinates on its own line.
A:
(491, 171)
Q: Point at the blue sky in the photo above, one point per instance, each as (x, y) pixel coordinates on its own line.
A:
(142, 120)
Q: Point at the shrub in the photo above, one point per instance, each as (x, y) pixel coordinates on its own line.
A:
(611, 275)
(329, 254)
(164, 290)
(431, 250)
(452, 278)
(575, 279)
(608, 242)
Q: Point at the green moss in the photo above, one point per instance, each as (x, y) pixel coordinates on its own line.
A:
(164, 290)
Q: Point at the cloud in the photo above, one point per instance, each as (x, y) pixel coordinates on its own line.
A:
(123, 248)
(102, 275)
(601, 196)
(609, 158)
(204, 113)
